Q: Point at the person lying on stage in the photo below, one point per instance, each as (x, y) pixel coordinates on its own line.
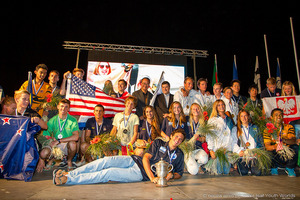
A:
(128, 168)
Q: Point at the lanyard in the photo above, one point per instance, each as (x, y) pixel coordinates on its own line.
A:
(270, 92)
(53, 89)
(98, 128)
(247, 136)
(61, 127)
(253, 103)
(171, 156)
(236, 101)
(149, 132)
(36, 92)
(230, 106)
(125, 123)
(203, 98)
(195, 128)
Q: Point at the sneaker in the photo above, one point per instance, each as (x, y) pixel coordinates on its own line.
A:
(63, 164)
(274, 171)
(290, 172)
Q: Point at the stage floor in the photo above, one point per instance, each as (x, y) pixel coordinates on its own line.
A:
(189, 187)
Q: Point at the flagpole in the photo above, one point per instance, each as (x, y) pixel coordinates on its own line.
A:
(278, 75)
(295, 51)
(267, 55)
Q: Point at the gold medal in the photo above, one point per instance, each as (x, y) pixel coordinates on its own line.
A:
(187, 106)
(247, 144)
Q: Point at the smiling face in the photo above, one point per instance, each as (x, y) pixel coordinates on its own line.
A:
(288, 90)
(195, 110)
(244, 117)
(202, 86)
(63, 109)
(98, 112)
(221, 107)
(22, 101)
(176, 108)
(277, 117)
(228, 93)
(53, 77)
(165, 88)
(217, 90)
(149, 113)
(40, 74)
(176, 140)
(188, 84)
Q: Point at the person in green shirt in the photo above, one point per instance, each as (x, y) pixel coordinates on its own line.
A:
(63, 130)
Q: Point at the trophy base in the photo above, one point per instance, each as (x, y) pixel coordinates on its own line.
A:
(161, 185)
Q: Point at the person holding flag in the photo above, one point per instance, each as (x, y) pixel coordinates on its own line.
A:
(277, 138)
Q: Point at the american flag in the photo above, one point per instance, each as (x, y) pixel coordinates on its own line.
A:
(279, 145)
(84, 97)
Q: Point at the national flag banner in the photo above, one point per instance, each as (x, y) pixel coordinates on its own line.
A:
(29, 88)
(289, 104)
(278, 75)
(158, 88)
(215, 78)
(18, 150)
(257, 76)
(234, 72)
(84, 97)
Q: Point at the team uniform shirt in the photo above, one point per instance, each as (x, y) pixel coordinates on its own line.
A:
(192, 127)
(233, 108)
(160, 149)
(287, 131)
(187, 101)
(39, 95)
(130, 121)
(69, 125)
(201, 99)
(167, 126)
(145, 131)
(92, 125)
(267, 93)
(29, 113)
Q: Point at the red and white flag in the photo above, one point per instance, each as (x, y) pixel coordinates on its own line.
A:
(84, 97)
(289, 104)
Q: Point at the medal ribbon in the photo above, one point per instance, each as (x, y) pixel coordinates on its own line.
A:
(195, 127)
(125, 123)
(36, 92)
(171, 156)
(149, 132)
(247, 136)
(98, 128)
(61, 127)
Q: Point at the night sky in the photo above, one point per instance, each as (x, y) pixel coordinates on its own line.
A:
(34, 33)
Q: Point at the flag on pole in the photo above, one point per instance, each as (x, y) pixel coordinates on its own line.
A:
(278, 75)
(84, 97)
(257, 76)
(29, 88)
(235, 72)
(158, 89)
(18, 150)
(215, 73)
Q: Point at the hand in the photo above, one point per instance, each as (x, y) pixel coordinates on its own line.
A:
(35, 120)
(207, 93)
(184, 92)
(169, 176)
(66, 74)
(54, 143)
(154, 180)
(167, 138)
(212, 155)
(241, 154)
(165, 115)
(298, 141)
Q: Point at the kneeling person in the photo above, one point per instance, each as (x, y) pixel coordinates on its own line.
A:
(63, 128)
(128, 168)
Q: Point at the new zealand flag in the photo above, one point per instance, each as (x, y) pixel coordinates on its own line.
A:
(18, 150)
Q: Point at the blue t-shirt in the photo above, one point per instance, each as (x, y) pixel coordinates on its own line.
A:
(104, 128)
(167, 127)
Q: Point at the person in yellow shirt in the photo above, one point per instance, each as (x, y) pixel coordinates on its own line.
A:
(40, 88)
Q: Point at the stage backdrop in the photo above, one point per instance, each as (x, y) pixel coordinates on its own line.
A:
(133, 67)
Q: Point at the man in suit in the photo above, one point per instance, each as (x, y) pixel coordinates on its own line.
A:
(143, 96)
(163, 101)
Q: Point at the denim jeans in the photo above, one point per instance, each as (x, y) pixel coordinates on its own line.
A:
(112, 168)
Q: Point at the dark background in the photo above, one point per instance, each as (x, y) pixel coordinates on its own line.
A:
(34, 33)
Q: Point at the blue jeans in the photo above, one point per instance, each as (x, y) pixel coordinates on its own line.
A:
(112, 168)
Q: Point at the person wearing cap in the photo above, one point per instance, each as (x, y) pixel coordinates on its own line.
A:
(128, 168)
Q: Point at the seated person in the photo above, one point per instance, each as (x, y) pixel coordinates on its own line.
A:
(149, 127)
(22, 101)
(40, 88)
(248, 138)
(284, 135)
(8, 106)
(128, 168)
(198, 157)
(271, 90)
(63, 129)
(175, 120)
(94, 126)
(126, 124)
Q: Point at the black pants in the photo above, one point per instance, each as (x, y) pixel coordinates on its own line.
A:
(243, 168)
(277, 161)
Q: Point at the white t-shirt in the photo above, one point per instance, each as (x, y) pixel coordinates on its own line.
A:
(119, 122)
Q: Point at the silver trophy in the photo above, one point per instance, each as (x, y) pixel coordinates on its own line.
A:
(162, 169)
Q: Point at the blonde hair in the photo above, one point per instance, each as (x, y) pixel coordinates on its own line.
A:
(214, 111)
(131, 98)
(172, 119)
(18, 93)
(191, 116)
(288, 83)
(271, 81)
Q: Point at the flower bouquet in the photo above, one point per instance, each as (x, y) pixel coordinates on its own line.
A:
(221, 160)
(104, 145)
(56, 152)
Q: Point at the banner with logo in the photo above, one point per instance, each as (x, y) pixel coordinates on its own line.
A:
(289, 104)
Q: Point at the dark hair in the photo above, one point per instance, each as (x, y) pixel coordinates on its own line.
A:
(99, 105)
(123, 81)
(165, 83)
(276, 109)
(179, 130)
(254, 86)
(55, 71)
(41, 66)
(64, 101)
(235, 81)
(202, 79)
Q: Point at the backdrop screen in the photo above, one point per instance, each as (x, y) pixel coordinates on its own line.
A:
(99, 72)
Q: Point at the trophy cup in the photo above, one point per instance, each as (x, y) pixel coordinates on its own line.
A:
(162, 170)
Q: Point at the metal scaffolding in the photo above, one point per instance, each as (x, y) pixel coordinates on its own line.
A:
(136, 49)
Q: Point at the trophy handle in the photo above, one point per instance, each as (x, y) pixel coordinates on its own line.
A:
(170, 166)
(152, 168)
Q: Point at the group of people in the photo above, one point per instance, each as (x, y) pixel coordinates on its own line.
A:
(165, 125)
